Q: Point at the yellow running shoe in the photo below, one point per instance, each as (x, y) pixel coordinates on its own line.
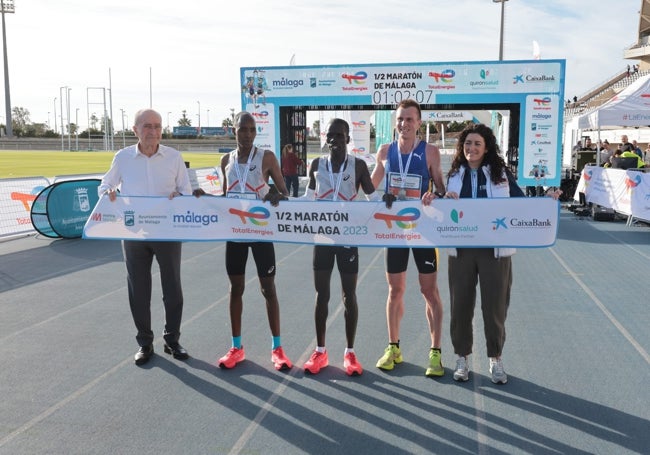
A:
(435, 364)
(392, 355)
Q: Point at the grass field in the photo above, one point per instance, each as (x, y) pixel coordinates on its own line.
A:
(14, 164)
(34, 163)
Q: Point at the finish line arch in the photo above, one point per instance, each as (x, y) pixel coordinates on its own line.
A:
(532, 91)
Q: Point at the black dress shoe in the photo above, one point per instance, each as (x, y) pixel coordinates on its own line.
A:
(176, 350)
(143, 355)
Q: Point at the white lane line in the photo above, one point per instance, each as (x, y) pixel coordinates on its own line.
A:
(73, 396)
(83, 389)
(603, 308)
(255, 423)
(89, 302)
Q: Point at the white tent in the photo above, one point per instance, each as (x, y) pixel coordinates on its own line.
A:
(631, 107)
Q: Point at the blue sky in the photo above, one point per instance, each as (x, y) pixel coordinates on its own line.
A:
(193, 50)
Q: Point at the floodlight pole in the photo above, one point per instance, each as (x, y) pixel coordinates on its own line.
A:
(7, 6)
(199, 115)
(503, 3)
(123, 139)
(76, 129)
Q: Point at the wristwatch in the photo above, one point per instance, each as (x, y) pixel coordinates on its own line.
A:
(439, 195)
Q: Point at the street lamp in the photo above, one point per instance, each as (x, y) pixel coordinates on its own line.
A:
(7, 6)
(168, 130)
(123, 139)
(61, 113)
(199, 115)
(503, 3)
(55, 126)
(76, 128)
(208, 118)
(67, 100)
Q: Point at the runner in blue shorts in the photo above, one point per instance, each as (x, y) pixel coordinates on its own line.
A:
(406, 169)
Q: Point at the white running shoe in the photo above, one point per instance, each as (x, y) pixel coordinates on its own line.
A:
(462, 370)
(499, 375)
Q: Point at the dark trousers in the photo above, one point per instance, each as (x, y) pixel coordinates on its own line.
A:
(139, 258)
(475, 266)
(291, 181)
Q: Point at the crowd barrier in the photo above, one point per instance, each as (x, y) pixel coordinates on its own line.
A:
(625, 191)
(17, 196)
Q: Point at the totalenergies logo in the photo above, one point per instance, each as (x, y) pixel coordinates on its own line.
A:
(359, 78)
(404, 219)
(255, 215)
(359, 124)
(260, 114)
(359, 150)
(586, 174)
(446, 76)
(542, 101)
(632, 182)
(24, 198)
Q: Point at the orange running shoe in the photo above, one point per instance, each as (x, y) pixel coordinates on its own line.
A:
(317, 361)
(280, 361)
(352, 365)
(232, 358)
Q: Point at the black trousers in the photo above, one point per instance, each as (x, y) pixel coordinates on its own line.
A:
(138, 256)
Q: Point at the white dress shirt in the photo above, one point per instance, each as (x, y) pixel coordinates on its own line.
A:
(136, 174)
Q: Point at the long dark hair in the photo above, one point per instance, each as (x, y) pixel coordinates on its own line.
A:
(491, 157)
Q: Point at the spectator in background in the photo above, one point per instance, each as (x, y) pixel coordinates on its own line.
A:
(625, 144)
(605, 153)
(636, 149)
(628, 154)
(290, 164)
(588, 145)
(646, 156)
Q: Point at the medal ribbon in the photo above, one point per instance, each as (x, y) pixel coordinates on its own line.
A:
(242, 180)
(331, 176)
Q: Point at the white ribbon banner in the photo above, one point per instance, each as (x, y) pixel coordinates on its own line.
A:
(508, 222)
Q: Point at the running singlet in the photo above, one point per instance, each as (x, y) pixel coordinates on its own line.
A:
(416, 166)
(327, 183)
(255, 187)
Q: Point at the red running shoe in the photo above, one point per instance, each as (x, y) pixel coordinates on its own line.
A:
(352, 365)
(317, 361)
(232, 358)
(280, 361)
